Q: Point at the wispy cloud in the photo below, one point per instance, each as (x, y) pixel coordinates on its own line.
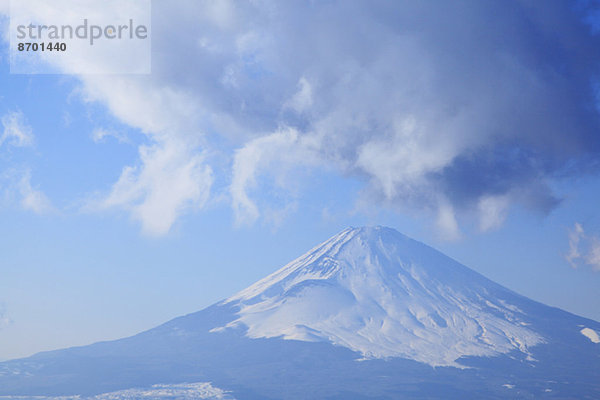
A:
(493, 211)
(593, 256)
(17, 191)
(168, 181)
(303, 99)
(33, 199)
(100, 135)
(276, 154)
(575, 236)
(4, 319)
(584, 249)
(447, 224)
(16, 184)
(16, 131)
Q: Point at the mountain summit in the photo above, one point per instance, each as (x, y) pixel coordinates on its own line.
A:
(364, 315)
(382, 294)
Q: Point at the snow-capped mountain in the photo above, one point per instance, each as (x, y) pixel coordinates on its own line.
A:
(364, 315)
(382, 294)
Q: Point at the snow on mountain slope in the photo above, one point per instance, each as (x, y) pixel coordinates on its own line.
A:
(182, 391)
(185, 391)
(377, 292)
(591, 334)
(370, 291)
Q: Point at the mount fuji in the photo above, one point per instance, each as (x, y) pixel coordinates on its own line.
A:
(368, 314)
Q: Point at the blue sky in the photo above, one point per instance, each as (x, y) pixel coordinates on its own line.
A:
(266, 127)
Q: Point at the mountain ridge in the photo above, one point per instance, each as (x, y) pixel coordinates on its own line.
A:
(367, 294)
(378, 292)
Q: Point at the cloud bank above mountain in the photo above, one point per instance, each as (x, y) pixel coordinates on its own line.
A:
(446, 106)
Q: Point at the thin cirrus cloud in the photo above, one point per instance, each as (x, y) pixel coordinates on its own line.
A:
(4, 319)
(584, 249)
(31, 198)
(15, 184)
(100, 134)
(16, 189)
(439, 105)
(15, 130)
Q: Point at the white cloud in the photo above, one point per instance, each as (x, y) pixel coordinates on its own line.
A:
(33, 199)
(99, 135)
(463, 113)
(160, 112)
(4, 23)
(575, 236)
(16, 190)
(277, 153)
(303, 99)
(583, 248)
(17, 184)
(593, 256)
(16, 131)
(104, 57)
(170, 180)
(173, 177)
(399, 163)
(447, 224)
(492, 212)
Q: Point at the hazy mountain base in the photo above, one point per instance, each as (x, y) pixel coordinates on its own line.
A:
(183, 350)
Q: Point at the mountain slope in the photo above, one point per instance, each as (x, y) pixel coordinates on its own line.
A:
(382, 294)
(365, 315)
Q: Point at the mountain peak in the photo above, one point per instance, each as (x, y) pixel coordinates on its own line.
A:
(372, 233)
(382, 294)
(366, 293)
